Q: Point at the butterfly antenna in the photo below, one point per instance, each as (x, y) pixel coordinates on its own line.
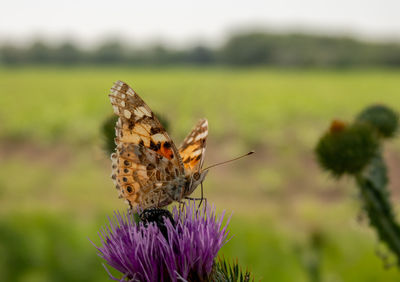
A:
(217, 164)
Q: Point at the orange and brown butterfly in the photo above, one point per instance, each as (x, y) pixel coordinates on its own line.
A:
(147, 168)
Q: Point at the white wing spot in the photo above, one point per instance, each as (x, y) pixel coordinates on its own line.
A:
(159, 137)
(118, 85)
(138, 113)
(123, 103)
(127, 114)
(201, 136)
(144, 111)
(197, 152)
(116, 110)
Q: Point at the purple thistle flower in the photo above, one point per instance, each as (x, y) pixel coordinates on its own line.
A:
(143, 253)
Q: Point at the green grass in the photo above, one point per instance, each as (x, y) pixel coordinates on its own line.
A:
(67, 104)
(55, 190)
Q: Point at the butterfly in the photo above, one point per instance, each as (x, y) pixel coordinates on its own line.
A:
(147, 168)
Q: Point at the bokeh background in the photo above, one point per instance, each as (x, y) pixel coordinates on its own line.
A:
(268, 76)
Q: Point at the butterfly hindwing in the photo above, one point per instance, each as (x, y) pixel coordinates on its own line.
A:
(193, 147)
(144, 177)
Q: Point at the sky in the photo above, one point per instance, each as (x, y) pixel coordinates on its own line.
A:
(183, 22)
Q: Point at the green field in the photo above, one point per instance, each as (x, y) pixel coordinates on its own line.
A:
(289, 218)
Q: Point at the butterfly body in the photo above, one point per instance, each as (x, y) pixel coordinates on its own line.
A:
(147, 168)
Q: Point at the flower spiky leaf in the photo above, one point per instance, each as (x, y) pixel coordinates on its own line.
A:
(230, 272)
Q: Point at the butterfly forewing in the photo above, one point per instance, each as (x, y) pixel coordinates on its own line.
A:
(194, 145)
(138, 125)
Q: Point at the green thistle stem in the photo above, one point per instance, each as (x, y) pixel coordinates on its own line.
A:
(379, 211)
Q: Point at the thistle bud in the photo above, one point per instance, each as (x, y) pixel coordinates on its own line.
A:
(382, 118)
(346, 149)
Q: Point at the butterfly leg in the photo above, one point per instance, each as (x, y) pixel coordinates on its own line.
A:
(130, 209)
(201, 199)
(181, 206)
(180, 202)
(197, 199)
(159, 199)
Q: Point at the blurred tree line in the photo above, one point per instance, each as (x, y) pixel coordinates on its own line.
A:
(246, 49)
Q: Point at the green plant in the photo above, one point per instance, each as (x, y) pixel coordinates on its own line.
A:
(230, 272)
(356, 150)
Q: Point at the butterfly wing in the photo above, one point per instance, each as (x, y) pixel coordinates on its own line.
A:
(146, 158)
(194, 145)
(143, 176)
(137, 124)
